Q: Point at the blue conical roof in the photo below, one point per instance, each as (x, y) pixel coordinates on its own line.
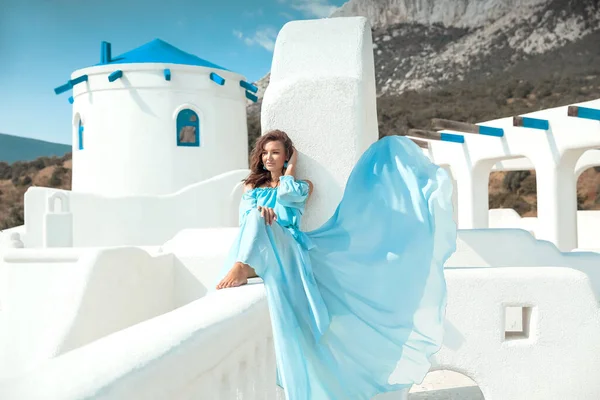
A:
(158, 51)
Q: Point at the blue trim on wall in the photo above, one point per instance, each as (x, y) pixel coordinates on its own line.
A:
(248, 86)
(588, 113)
(69, 85)
(250, 96)
(491, 131)
(219, 80)
(450, 137)
(105, 53)
(79, 79)
(535, 123)
(115, 75)
(71, 99)
(167, 73)
(185, 119)
(80, 135)
(63, 88)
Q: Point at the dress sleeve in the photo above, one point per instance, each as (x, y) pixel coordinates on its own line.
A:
(292, 193)
(247, 203)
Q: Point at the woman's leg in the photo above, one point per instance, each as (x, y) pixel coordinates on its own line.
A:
(237, 276)
(253, 240)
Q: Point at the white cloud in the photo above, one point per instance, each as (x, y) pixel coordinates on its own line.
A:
(287, 16)
(264, 37)
(314, 8)
(253, 14)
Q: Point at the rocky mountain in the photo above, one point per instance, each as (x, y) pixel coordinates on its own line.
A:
(475, 60)
(551, 38)
(456, 13)
(17, 177)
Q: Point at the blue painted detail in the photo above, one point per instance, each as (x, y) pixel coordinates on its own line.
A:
(248, 86)
(79, 79)
(167, 73)
(589, 113)
(63, 88)
(80, 138)
(250, 96)
(217, 79)
(536, 123)
(71, 99)
(188, 128)
(491, 131)
(115, 75)
(105, 53)
(450, 137)
(158, 51)
(69, 85)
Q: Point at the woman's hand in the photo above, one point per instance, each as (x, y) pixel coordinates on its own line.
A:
(294, 157)
(268, 214)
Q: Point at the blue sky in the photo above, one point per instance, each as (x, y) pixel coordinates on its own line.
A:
(43, 41)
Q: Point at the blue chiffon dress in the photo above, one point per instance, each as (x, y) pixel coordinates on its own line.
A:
(357, 306)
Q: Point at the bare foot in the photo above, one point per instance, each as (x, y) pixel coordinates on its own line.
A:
(237, 276)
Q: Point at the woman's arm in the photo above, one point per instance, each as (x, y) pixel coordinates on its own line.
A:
(293, 193)
(291, 168)
(310, 186)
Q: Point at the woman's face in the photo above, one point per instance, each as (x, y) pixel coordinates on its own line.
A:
(273, 155)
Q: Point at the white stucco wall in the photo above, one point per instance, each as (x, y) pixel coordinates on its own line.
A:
(199, 255)
(130, 128)
(588, 228)
(518, 248)
(322, 93)
(558, 356)
(588, 225)
(56, 300)
(213, 348)
(188, 352)
(509, 218)
(99, 220)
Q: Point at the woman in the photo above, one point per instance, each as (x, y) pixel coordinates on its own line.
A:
(357, 305)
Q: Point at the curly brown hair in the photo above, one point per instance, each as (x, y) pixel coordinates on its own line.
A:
(258, 175)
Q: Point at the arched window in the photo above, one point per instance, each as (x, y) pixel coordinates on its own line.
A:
(188, 128)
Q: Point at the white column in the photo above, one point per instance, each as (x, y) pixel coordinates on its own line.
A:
(322, 93)
(473, 203)
(557, 205)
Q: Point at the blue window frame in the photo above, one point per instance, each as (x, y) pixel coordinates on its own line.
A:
(80, 135)
(188, 128)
